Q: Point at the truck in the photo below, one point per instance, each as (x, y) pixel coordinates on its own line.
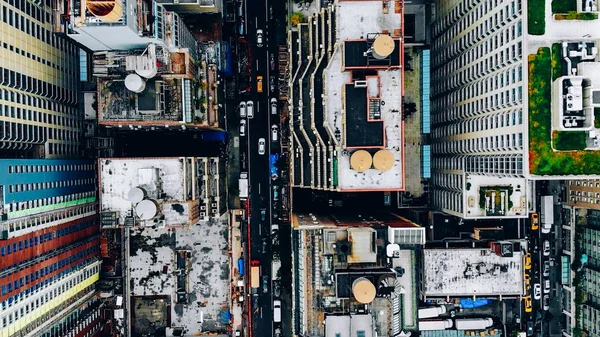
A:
(254, 275)
(547, 213)
(473, 323)
(272, 166)
(432, 311)
(435, 324)
(243, 184)
(241, 266)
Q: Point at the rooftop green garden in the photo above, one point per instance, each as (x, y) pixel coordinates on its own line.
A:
(569, 140)
(563, 6)
(576, 16)
(543, 160)
(557, 61)
(536, 15)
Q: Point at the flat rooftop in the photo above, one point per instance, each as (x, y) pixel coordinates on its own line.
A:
(163, 261)
(471, 272)
(364, 105)
(342, 219)
(162, 180)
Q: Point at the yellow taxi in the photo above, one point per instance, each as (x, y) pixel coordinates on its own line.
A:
(528, 303)
(527, 261)
(259, 83)
(535, 221)
(527, 281)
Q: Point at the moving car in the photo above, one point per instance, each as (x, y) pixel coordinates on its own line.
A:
(272, 83)
(546, 302)
(273, 106)
(528, 303)
(255, 301)
(275, 193)
(277, 311)
(265, 284)
(535, 221)
(272, 62)
(276, 289)
(274, 133)
(243, 127)
(259, 37)
(259, 83)
(546, 269)
(274, 228)
(250, 109)
(527, 261)
(546, 286)
(261, 146)
(546, 248)
(527, 281)
(537, 291)
(264, 245)
(242, 109)
(263, 214)
(529, 328)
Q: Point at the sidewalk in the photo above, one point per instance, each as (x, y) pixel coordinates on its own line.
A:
(237, 280)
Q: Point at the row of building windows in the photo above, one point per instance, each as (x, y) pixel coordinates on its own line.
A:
(48, 295)
(17, 80)
(449, 201)
(16, 285)
(499, 164)
(48, 218)
(48, 185)
(33, 115)
(34, 241)
(504, 142)
(585, 182)
(22, 133)
(77, 321)
(50, 168)
(38, 102)
(20, 206)
(481, 123)
(33, 57)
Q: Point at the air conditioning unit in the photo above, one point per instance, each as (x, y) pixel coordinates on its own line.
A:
(202, 214)
(214, 211)
(213, 205)
(203, 208)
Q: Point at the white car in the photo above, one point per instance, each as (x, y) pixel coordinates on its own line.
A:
(546, 286)
(259, 37)
(273, 106)
(537, 291)
(243, 127)
(546, 248)
(250, 109)
(546, 302)
(242, 109)
(261, 146)
(274, 132)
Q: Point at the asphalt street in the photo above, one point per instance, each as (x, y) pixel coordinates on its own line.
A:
(258, 15)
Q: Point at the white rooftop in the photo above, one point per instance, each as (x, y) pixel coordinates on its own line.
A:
(503, 192)
(162, 179)
(348, 325)
(471, 272)
(207, 278)
(354, 20)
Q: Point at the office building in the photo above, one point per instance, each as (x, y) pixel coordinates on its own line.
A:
(120, 24)
(345, 98)
(39, 82)
(49, 242)
(477, 120)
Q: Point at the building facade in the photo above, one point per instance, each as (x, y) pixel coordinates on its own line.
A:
(49, 242)
(477, 128)
(39, 82)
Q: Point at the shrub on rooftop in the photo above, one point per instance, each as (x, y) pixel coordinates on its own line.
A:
(563, 6)
(536, 14)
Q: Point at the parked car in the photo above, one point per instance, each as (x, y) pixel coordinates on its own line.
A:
(274, 133)
(264, 245)
(272, 62)
(527, 280)
(242, 109)
(546, 268)
(537, 291)
(259, 37)
(275, 193)
(276, 289)
(529, 328)
(546, 302)
(255, 301)
(261, 146)
(273, 106)
(250, 109)
(243, 127)
(546, 286)
(546, 248)
(259, 83)
(263, 214)
(528, 303)
(272, 83)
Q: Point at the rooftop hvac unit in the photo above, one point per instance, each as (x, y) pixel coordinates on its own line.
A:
(214, 204)
(203, 214)
(203, 208)
(360, 84)
(214, 211)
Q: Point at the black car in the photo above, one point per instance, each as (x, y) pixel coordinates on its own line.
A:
(529, 328)
(255, 301)
(265, 284)
(263, 214)
(264, 245)
(272, 83)
(276, 289)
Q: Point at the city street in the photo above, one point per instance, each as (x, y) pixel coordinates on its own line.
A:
(259, 29)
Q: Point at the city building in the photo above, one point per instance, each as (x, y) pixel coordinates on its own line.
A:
(161, 192)
(358, 271)
(192, 6)
(477, 121)
(120, 25)
(462, 272)
(155, 87)
(39, 83)
(345, 99)
(49, 246)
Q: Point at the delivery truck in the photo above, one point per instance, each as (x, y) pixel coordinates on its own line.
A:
(547, 213)
(254, 275)
(435, 324)
(473, 323)
(432, 311)
(243, 184)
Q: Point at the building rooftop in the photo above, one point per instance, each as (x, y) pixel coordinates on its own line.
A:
(167, 182)
(471, 272)
(495, 197)
(363, 94)
(360, 325)
(187, 270)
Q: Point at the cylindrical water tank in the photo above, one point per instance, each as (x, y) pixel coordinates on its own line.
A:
(135, 83)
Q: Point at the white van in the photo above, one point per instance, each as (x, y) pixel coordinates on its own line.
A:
(277, 311)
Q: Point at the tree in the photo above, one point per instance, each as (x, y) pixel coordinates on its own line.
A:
(409, 109)
(296, 18)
